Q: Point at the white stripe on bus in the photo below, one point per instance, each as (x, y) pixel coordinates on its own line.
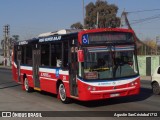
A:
(114, 90)
(110, 83)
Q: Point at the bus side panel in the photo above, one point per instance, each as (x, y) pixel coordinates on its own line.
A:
(65, 80)
(14, 72)
(48, 85)
(14, 68)
(48, 82)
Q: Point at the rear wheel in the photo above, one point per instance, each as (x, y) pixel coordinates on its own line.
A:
(156, 88)
(62, 94)
(26, 86)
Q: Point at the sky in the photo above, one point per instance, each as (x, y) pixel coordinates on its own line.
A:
(29, 18)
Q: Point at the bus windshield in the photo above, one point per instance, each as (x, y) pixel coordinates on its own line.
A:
(109, 62)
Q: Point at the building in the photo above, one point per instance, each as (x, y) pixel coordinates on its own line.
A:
(1, 56)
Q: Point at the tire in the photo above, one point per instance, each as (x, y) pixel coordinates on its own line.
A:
(156, 88)
(26, 86)
(62, 94)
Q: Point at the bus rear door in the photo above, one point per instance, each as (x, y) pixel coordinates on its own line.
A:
(36, 64)
(19, 56)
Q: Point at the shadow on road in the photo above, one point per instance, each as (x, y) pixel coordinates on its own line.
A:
(9, 86)
(6, 82)
(144, 94)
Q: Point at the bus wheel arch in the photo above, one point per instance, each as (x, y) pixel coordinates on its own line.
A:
(26, 86)
(61, 92)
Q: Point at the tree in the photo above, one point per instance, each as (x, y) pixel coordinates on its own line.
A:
(12, 40)
(151, 43)
(104, 12)
(77, 25)
(15, 37)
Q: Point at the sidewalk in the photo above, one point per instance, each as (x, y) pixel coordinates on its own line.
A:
(145, 77)
(5, 67)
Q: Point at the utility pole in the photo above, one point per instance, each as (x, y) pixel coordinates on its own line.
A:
(97, 20)
(124, 16)
(83, 13)
(6, 51)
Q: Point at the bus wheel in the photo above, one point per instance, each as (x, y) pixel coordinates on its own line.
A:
(156, 88)
(26, 86)
(62, 94)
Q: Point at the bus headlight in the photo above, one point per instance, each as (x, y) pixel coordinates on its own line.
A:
(134, 83)
(89, 88)
(94, 88)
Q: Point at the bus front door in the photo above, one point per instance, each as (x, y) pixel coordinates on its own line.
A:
(36, 64)
(73, 72)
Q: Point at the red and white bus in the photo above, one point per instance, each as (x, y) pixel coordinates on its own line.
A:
(85, 65)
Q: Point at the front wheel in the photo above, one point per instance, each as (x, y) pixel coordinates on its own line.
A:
(26, 86)
(156, 88)
(62, 94)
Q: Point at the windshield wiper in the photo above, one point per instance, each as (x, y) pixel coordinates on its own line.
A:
(98, 69)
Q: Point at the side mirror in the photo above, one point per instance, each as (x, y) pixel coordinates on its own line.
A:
(80, 56)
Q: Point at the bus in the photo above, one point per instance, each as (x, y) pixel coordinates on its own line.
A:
(86, 65)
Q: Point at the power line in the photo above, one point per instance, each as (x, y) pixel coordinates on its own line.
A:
(139, 11)
(146, 19)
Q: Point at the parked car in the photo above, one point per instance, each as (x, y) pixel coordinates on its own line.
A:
(156, 81)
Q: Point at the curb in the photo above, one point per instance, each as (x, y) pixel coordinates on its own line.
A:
(7, 68)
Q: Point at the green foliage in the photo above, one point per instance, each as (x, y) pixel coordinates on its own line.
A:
(106, 15)
(77, 25)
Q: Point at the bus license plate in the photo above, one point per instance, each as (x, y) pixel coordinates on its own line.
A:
(114, 95)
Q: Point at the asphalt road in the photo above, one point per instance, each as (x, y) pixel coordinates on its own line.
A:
(12, 98)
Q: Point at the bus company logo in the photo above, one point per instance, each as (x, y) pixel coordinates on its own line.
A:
(6, 114)
(114, 83)
(21, 114)
(45, 75)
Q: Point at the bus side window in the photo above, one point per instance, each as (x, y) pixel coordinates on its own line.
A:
(56, 56)
(53, 55)
(45, 52)
(29, 55)
(23, 55)
(65, 54)
(15, 54)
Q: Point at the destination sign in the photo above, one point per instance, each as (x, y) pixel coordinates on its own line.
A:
(106, 37)
(23, 43)
(48, 39)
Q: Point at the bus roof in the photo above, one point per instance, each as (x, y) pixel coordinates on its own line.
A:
(65, 33)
